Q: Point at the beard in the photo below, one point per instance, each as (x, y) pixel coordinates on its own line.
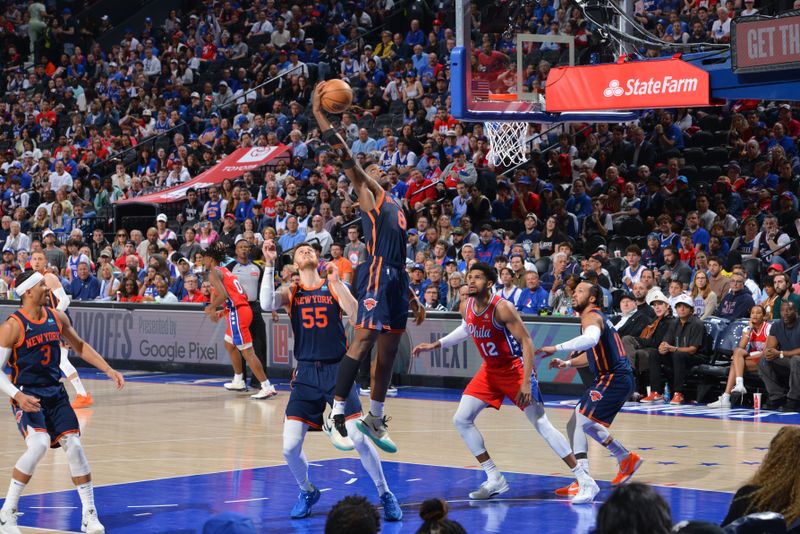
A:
(579, 306)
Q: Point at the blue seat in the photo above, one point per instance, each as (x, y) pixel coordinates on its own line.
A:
(761, 523)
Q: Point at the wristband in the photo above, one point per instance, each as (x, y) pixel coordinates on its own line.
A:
(569, 363)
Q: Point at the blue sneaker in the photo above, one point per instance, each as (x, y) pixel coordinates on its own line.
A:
(391, 508)
(305, 500)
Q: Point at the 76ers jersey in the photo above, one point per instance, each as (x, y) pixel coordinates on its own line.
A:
(236, 295)
(495, 343)
(758, 337)
(36, 357)
(385, 232)
(317, 324)
(608, 356)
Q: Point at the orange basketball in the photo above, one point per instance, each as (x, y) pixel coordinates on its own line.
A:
(337, 96)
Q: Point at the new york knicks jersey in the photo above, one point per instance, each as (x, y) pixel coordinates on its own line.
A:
(317, 324)
(495, 343)
(35, 358)
(385, 232)
(236, 294)
(608, 356)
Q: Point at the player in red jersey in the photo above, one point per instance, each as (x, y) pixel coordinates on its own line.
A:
(228, 291)
(507, 372)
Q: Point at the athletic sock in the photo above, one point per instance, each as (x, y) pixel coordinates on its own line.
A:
(76, 383)
(739, 381)
(581, 474)
(618, 450)
(15, 489)
(491, 470)
(584, 463)
(726, 396)
(338, 407)
(238, 377)
(265, 384)
(376, 408)
(86, 493)
(306, 485)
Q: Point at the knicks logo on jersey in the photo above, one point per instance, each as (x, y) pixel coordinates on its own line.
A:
(595, 395)
(18, 415)
(370, 304)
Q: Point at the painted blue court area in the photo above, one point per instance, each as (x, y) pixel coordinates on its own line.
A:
(181, 505)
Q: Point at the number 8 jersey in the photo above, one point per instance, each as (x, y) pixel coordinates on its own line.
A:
(495, 343)
(317, 324)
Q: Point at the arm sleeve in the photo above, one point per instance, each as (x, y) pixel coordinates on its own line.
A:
(584, 341)
(5, 383)
(455, 337)
(270, 301)
(63, 299)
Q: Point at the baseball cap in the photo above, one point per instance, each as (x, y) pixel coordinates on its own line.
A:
(413, 231)
(776, 266)
(239, 239)
(243, 119)
(458, 152)
(657, 296)
(47, 233)
(148, 20)
(309, 41)
(450, 133)
(782, 106)
(418, 267)
(596, 257)
(487, 227)
(524, 180)
(209, 98)
(195, 95)
(223, 82)
(10, 250)
(682, 179)
(147, 112)
(787, 194)
(130, 242)
(627, 296)
(685, 299)
(162, 217)
(230, 216)
(602, 247)
(458, 230)
(654, 235)
(106, 253)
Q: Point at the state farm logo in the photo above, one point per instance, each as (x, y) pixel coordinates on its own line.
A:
(649, 87)
(256, 154)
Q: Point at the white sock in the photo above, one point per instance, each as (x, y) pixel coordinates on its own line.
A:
(584, 463)
(86, 493)
(15, 489)
(265, 384)
(376, 408)
(369, 457)
(338, 407)
(726, 396)
(491, 470)
(739, 381)
(78, 385)
(306, 485)
(580, 473)
(237, 377)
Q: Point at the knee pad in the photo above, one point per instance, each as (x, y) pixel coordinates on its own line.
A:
(293, 436)
(78, 464)
(460, 421)
(596, 431)
(37, 443)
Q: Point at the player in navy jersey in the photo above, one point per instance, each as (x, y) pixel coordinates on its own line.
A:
(315, 306)
(382, 288)
(507, 371)
(600, 349)
(31, 338)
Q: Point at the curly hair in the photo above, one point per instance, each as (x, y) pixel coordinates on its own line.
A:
(777, 482)
(217, 251)
(353, 515)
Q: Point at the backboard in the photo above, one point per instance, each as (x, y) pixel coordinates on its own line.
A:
(505, 83)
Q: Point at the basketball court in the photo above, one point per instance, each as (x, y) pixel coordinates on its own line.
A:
(170, 451)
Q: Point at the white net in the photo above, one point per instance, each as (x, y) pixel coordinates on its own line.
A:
(507, 141)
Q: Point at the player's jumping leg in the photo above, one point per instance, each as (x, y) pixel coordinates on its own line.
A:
(37, 443)
(294, 433)
(83, 399)
(373, 424)
(587, 487)
(372, 464)
(580, 449)
(82, 478)
(360, 347)
(464, 420)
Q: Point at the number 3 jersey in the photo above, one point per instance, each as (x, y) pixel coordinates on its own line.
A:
(35, 358)
(495, 343)
(317, 324)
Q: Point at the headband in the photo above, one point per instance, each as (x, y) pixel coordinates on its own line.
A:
(29, 283)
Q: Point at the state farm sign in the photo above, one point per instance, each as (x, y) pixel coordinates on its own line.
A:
(765, 43)
(632, 85)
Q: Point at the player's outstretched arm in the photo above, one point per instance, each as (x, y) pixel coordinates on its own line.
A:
(592, 327)
(459, 335)
(9, 336)
(506, 314)
(269, 299)
(346, 300)
(86, 351)
(54, 284)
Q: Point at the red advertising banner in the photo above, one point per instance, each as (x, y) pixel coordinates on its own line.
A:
(633, 85)
(234, 165)
(761, 44)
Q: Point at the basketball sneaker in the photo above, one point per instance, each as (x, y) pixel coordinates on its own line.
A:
(267, 391)
(490, 488)
(364, 392)
(8, 522)
(391, 391)
(339, 424)
(677, 398)
(588, 491)
(653, 397)
(627, 468)
(82, 401)
(724, 401)
(569, 491)
(343, 443)
(391, 508)
(737, 394)
(375, 429)
(90, 524)
(305, 500)
(237, 384)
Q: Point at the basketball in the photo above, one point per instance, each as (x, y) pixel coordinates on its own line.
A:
(337, 96)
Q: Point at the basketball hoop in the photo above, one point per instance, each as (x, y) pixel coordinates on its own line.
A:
(506, 139)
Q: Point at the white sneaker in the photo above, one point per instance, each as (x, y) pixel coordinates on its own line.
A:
(391, 391)
(236, 385)
(724, 401)
(266, 392)
(587, 493)
(343, 443)
(490, 488)
(8, 522)
(364, 392)
(91, 524)
(737, 394)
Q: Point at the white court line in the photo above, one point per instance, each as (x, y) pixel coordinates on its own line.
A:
(143, 514)
(347, 471)
(315, 465)
(53, 507)
(323, 490)
(413, 480)
(351, 481)
(152, 506)
(248, 500)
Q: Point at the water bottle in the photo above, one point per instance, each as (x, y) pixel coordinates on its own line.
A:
(570, 311)
(667, 394)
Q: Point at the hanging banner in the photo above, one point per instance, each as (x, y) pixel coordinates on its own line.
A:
(765, 43)
(632, 85)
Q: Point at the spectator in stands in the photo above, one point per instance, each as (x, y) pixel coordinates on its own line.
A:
(644, 348)
(780, 366)
(292, 237)
(16, 240)
(737, 301)
(720, 284)
(353, 514)
(560, 297)
(745, 357)
(772, 489)
(673, 268)
(129, 291)
(434, 516)
(192, 291)
(704, 299)
(633, 272)
(784, 292)
(84, 286)
(635, 508)
(721, 28)
(772, 244)
(632, 320)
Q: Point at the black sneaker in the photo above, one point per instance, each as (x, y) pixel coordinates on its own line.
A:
(339, 424)
(791, 406)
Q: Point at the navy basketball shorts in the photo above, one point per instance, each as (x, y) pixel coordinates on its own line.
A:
(312, 388)
(382, 295)
(606, 396)
(56, 416)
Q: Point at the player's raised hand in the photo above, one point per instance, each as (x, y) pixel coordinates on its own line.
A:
(418, 309)
(316, 97)
(270, 252)
(116, 377)
(423, 347)
(27, 403)
(333, 273)
(557, 363)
